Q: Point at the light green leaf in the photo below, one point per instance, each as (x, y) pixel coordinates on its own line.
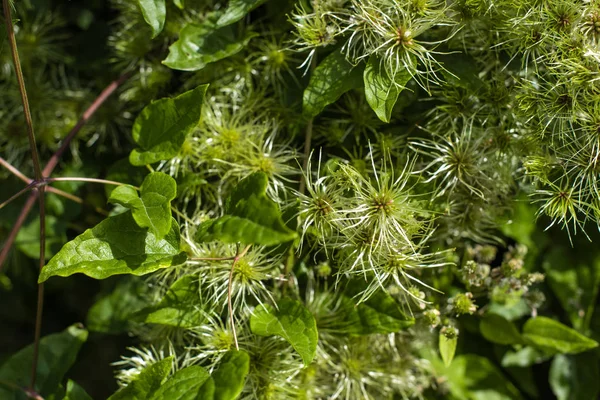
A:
(152, 209)
(28, 238)
(575, 377)
(236, 10)
(332, 78)
(382, 90)
(251, 217)
(161, 128)
(179, 307)
(57, 353)
(447, 348)
(115, 246)
(155, 13)
(293, 322)
(179, 4)
(146, 383)
(185, 384)
(524, 357)
(498, 329)
(230, 376)
(75, 392)
(202, 44)
(554, 337)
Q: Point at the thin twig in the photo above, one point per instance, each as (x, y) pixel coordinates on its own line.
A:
(229, 290)
(17, 195)
(307, 141)
(35, 158)
(14, 171)
(40, 298)
(17, 226)
(83, 179)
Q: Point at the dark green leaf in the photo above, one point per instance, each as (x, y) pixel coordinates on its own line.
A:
(202, 44)
(554, 337)
(461, 70)
(293, 322)
(179, 306)
(447, 348)
(251, 217)
(28, 238)
(57, 353)
(382, 90)
(115, 246)
(146, 383)
(332, 78)
(237, 9)
(155, 13)
(152, 208)
(230, 376)
(575, 377)
(161, 128)
(183, 385)
(498, 329)
(75, 392)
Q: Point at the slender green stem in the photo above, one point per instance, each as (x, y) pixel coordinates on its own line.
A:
(237, 257)
(307, 140)
(83, 179)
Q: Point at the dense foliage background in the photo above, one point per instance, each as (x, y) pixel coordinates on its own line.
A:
(370, 199)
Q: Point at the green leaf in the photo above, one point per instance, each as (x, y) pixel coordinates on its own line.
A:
(332, 78)
(146, 383)
(447, 348)
(161, 128)
(179, 307)
(202, 44)
(230, 376)
(575, 377)
(554, 337)
(498, 329)
(28, 238)
(155, 13)
(236, 10)
(524, 357)
(185, 384)
(152, 209)
(382, 90)
(293, 322)
(461, 70)
(179, 4)
(57, 353)
(75, 392)
(115, 246)
(251, 217)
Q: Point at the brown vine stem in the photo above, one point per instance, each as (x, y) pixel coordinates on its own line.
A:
(40, 296)
(230, 289)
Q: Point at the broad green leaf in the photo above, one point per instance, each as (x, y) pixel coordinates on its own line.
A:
(332, 78)
(146, 383)
(230, 376)
(112, 313)
(575, 377)
(179, 307)
(293, 322)
(161, 128)
(251, 217)
(57, 353)
(382, 90)
(202, 44)
(155, 13)
(185, 384)
(152, 208)
(447, 348)
(28, 238)
(524, 357)
(474, 377)
(115, 246)
(498, 329)
(236, 10)
(75, 392)
(554, 337)
(123, 171)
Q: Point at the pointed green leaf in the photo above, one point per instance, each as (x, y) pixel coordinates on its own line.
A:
(382, 90)
(152, 208)
(155, 13)
(202, 44)
(230, 376)
(161, 128)
(332, 78)
(57, 353)
(293, 322)
(115, 246)
(75, 392)
(447, 348)
(179, 4)
(251, 217)
(146, 383)
(28, 238)
(574, 377)
(179, 307)
(554, 337)
(498, 329)
(236, 10)
(524, 357)
(185, 384)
